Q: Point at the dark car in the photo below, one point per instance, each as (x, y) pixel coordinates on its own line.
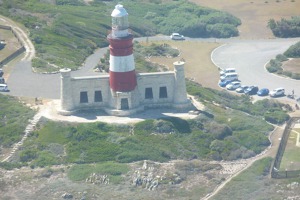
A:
(224, 83)
(263, 92)
(1, 72)
(242, 89)
(251, 90)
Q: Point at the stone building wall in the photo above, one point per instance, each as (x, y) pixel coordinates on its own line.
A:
(154, 90)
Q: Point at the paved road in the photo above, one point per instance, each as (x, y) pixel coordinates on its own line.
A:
(23, 82)
(247, 56)
(249, 59)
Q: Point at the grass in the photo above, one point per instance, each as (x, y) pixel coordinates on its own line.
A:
(248, 184)
(291, 157)
(11, 41)
(112, 169)
(198, 64)
(14, 118)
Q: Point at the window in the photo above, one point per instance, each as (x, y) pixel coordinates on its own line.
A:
(148, 93)
(163, 92)
(98, 96)
(83, 97)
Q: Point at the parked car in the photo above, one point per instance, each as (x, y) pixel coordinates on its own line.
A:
(177, 36)
(241, 89)
(229, 76)
(233, 85)
(251, 90)
(3, 88)
(227, 70)
(224, 83)
(277, 92)
(263, 92)
(1, 72)
(2, 80)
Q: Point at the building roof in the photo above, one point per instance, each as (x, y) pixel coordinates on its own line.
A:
(119, 11)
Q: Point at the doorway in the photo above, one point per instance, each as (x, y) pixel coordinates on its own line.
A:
(124, 104)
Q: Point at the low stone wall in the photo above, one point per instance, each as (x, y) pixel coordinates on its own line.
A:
(12, 56)
(5, 27)
(17, 52)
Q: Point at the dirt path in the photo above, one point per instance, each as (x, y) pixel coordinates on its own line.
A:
(242, 165)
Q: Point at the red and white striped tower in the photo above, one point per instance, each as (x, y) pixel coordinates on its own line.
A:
(122, 69)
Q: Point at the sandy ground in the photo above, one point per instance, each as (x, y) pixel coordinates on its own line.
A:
(50, 110)
(255, 14)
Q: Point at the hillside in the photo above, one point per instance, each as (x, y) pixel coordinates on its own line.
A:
(65, 33)
(255, 14)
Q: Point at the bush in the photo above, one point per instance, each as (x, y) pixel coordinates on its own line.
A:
(285, 28)
(293, 51)
(276, 117)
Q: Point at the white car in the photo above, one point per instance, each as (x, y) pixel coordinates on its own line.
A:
(229, 76)
(233, 85)
(277, 92)
(176, 36)
(227, 70)
(3, 88)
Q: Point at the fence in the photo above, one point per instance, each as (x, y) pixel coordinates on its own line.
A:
(275, 173)
(17, 52)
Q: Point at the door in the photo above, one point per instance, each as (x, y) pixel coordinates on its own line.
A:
(124, 104)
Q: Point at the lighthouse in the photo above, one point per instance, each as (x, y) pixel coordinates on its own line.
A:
(122, 77)
(123, 92)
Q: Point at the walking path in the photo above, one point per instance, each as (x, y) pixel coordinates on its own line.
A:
(29, 128)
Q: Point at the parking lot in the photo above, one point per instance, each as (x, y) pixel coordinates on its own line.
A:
(249, 59)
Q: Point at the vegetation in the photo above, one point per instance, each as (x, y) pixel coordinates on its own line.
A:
(249, 183)
(65, 32)
(275, 65)
(293, 51)
(271, 110)
(113, 170)
(14, 118)
(221, 133)
(285, 28)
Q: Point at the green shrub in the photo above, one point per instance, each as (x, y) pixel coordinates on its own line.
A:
(14, 118)
(276, 117)
(83, 171)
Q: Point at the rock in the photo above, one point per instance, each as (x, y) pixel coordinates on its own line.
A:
(67, 196)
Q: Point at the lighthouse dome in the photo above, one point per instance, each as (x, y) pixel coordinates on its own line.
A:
(119, 11)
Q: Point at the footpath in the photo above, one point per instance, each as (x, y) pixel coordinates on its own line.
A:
(29, 128)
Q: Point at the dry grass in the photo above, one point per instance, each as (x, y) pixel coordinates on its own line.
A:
(291, 158)
(198, 65)
(255, 14)
(292, 65)
(11, 41)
